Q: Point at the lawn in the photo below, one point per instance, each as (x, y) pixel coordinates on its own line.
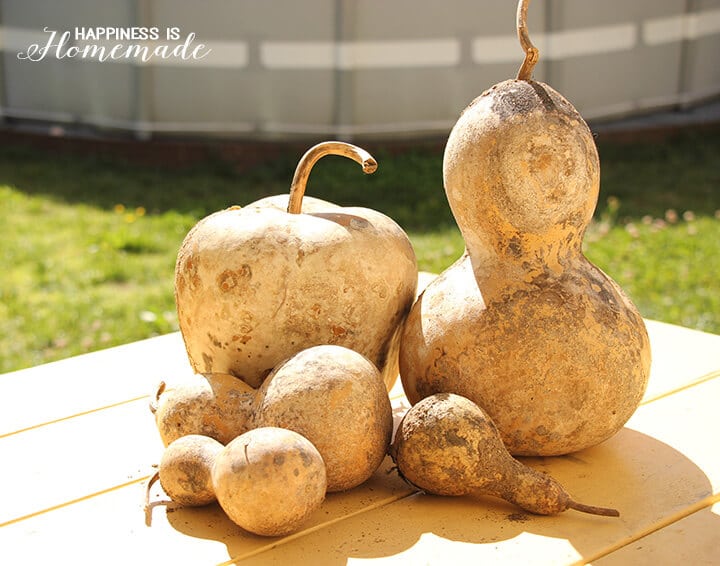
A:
(89, 244)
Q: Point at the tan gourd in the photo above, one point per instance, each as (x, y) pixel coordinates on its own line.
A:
(447, 445)
(257, 284)
(523, 324)
(185, 471)
(336, 399)
(269, 480)
(215, 405)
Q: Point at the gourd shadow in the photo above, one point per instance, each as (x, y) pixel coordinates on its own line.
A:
(645, 479)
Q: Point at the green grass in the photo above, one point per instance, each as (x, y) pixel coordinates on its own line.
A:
(78, 278)
(89, 244)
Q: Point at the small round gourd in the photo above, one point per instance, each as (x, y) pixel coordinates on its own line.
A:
(523, 324)
(185, 469)
(269, 480)
(336, 398)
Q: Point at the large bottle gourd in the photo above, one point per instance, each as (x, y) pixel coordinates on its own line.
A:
(523, 324)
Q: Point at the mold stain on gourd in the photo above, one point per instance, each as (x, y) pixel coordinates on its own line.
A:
(244, 339)
(230, 279)
(188, 267)
(380, 289)
(452, 438)
(208, 362)
(338, 331)
(214, 340)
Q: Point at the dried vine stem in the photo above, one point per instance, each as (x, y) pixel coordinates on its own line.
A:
(593, 510)
(302, 172)
(532, 55)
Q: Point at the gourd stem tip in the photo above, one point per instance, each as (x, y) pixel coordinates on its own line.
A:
(532, 54)
(307, 161)
(593, 510)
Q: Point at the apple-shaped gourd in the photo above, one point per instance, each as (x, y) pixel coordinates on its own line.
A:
(257, 284)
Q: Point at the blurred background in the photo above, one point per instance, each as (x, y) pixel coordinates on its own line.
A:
(106, 165)
(348, 68)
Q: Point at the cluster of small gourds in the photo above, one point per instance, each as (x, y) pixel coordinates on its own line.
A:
(321, 422)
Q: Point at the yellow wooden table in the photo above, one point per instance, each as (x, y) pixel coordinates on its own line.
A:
(78, 442)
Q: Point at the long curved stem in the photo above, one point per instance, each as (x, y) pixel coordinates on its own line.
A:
(532, 55)
(306, 163)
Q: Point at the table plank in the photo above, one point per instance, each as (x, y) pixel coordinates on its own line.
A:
(693, 540)
(680, 356)
(74, 386)
(49, 466)
(110, 529)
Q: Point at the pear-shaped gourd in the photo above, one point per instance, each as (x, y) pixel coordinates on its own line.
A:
(523, 324)
(447, 445)
(257, 284)
(336, 399)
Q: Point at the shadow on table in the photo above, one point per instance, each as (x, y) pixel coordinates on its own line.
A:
(645, 479)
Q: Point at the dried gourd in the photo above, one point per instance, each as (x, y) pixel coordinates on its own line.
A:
(257, 284)
(523, 324)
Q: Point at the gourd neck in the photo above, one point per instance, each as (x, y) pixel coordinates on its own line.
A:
(531, 490)
(502, 265)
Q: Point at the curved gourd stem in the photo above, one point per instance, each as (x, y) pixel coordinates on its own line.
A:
(158, 392)
(604, 511)
(306, 163)
(146, 507)
(532, 55)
